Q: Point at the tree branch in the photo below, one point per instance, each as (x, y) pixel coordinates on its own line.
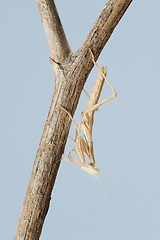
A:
(71, 71)
(59, 47)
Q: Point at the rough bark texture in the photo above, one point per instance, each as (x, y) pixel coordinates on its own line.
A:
(71, 71)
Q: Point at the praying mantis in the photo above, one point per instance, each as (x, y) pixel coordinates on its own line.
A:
(85, 147)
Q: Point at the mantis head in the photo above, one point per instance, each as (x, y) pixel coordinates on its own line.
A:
(90, 168)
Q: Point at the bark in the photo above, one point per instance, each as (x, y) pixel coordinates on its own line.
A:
(71, 70)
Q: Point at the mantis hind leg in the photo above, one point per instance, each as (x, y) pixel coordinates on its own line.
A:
(97, 105)
(77, 130)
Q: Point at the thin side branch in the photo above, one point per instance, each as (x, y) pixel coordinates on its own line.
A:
(71, 71)
(57, 41)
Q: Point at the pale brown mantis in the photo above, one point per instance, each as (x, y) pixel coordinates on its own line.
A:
(85, 147)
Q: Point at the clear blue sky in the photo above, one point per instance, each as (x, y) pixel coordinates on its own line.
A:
(126, 130)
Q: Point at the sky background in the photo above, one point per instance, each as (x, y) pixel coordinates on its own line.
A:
(126, 130)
